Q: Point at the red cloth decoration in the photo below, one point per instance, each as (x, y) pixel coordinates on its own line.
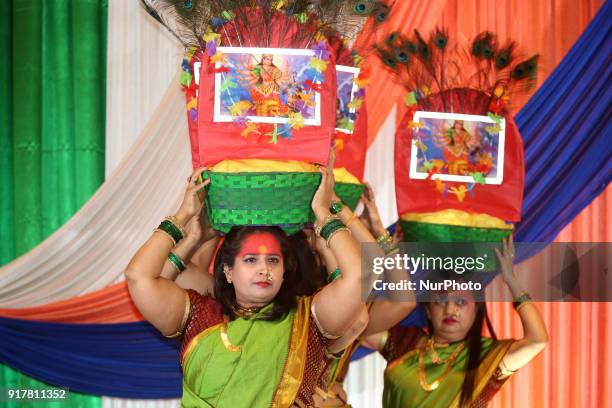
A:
(503, 201)
(212, 142)
(352, 156)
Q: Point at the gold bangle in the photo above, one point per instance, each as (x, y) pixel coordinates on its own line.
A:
(334, 233)
(518, 307)
(166, 234)
(352, 218)
(384, 237)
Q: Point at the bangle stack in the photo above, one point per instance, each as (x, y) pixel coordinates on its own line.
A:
(334, 275)
(330, 227)
(521, 301)
(177, 262)
(172, 229)
(386, 243)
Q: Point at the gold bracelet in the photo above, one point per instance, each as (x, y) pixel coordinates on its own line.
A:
(517, 308)
(352, 218)
(334, 233)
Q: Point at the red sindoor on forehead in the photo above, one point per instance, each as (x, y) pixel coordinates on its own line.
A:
(260, 243)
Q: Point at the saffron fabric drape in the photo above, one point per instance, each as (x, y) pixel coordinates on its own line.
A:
(546, 27)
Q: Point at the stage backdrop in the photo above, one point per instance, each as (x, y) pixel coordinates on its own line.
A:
(567, 388)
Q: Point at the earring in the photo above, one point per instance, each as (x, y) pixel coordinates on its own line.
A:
(227, 273)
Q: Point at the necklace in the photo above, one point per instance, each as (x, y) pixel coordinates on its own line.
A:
(435, 357)
(246, 311)
(450, 361)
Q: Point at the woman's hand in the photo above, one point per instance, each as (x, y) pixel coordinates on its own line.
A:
(323, 196)
(193, 201)
(371, 213)
(506, 263)
(506, 260)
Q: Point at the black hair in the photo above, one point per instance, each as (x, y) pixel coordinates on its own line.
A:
(225, 293)
(312, 273)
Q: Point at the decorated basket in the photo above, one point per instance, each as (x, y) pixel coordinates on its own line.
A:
(347, 187)
(261, 192)
(261, 93)
(459, 166)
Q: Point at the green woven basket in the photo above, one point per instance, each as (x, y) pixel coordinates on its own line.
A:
(426, 232)
(349, 193)
(247, 199)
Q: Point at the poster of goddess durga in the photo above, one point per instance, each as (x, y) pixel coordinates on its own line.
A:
(265, 81)
(456, 147)
(267, 88)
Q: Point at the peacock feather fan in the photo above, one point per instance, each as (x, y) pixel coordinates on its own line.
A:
(265, 23)
(436, 65)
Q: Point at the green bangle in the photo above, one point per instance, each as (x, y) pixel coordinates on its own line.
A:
(168, 227)
(336, 207)
(334, 275)
(329, 228)
(177, 262)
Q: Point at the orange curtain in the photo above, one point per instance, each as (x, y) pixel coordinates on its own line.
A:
(546, 27)
(109, 305)
(574, 370)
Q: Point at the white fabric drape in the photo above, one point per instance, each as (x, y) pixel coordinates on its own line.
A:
(93, 248)
(142, 60)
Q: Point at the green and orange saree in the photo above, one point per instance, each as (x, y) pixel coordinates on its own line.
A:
(249, 362)
(402, 376)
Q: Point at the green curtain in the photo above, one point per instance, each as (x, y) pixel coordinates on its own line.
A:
(52, 121)
(13, 379)
(53, 72)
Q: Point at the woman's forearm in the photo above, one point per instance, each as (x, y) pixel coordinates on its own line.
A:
(359, 231)
(184, 250)
(149, 260)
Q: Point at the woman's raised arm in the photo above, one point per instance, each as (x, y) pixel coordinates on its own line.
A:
(159, 300)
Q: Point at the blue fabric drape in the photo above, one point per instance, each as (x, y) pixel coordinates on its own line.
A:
(129, 360)
(566, 130)
(567, 133)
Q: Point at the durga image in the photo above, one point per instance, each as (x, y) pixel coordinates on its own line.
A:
(266, 82)
(460, 147)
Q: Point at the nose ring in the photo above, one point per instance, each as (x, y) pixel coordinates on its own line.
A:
(269, 275)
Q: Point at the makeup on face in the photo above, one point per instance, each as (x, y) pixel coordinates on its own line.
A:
(261, 243)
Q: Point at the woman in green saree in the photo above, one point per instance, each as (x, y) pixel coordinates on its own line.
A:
(452, 365)
(255, 343)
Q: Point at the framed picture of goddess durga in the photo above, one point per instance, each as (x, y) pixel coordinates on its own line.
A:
(266, 85)
(347, 89)
(457, 147)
